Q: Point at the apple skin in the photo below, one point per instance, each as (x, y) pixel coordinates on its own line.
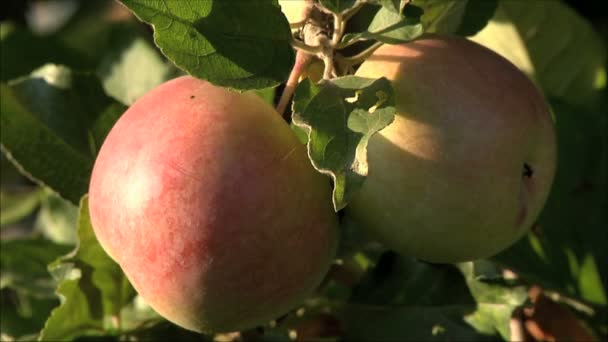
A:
(210, 205)
(294, 10)
(446, 177)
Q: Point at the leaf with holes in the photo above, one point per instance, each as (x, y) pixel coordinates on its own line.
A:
(340, 117)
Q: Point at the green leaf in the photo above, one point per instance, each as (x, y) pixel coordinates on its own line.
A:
(23, 265)
(390, 27)
(53, 123)
(462, 17)
(23, 315)
(337, 6)
(93, 289)
(132, 66)
(88, 31)
(340, 117)
(236, 44)
(23, 52)
(266, 94)
(409, 323)
(400, 280)
(162, 330)
(57, 219)
(15, 206)
(569, 63)
(402, 299)
(496, 300)
(395, 6)
(567, 251)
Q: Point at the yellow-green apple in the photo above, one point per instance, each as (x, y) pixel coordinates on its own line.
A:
(467, 165)
(211, 206)
(296, 11)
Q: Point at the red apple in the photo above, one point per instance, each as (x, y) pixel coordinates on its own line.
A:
(212, 208)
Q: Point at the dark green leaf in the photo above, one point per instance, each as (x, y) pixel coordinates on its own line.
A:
(21, 315)
(340, 117)
(53, 123)
(337, 6)
(402, 299)
(464, 17)
(23, 52)
(395, 6)
(476, 16)
(15, 206)
(390, 27)
(236, 44)
(162, 330)
(23, 265)
(409, 323)
(93, 288)
(399, 280)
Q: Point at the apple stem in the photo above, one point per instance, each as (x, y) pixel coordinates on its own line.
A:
(516, 326)
(316, 44)
(302, 60)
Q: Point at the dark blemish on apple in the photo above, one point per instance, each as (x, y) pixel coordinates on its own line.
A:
(536, 229)
(528, 172)
(192, 96)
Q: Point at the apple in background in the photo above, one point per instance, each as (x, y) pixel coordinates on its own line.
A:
(295, 10)
(467, 165)
(212, 208)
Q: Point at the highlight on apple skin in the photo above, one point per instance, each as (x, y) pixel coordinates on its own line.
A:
(212, 208)
(295, 10)
(466, 167)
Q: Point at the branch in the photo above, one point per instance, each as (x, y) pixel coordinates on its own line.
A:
(301, 46)
(348, 13)
(347, 62)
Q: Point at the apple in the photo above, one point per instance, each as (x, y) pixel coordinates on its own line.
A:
(296, 11)
(467, 165)
(210, 205)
